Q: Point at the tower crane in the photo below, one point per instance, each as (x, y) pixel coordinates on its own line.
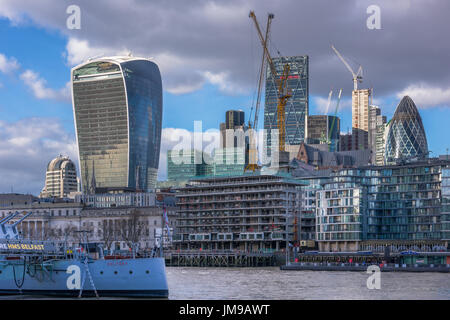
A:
(357, 77)
(281, 84)
(329, 100)
(253, 149)
(323, 136)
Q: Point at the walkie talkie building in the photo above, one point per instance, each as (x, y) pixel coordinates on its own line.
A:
(117, 105)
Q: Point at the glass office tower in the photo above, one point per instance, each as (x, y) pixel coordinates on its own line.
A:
(117, 104)
(406, 137)
(296, 110)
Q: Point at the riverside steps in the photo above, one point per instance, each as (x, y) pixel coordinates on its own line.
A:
(213, 258)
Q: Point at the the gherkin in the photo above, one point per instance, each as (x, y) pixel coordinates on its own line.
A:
(406, 137)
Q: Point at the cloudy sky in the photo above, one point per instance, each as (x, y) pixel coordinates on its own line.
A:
(208, 53)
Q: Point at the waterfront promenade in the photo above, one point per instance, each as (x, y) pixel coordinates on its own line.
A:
(387, 267)
(319, 261)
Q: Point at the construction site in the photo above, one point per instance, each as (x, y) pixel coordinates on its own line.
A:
(251, 213)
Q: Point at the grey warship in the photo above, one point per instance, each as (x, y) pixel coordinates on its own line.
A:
(50, 268)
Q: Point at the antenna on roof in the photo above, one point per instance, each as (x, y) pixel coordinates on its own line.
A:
(95, 57)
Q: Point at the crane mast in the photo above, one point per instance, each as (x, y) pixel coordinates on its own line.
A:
(280, 81)
(252, 165)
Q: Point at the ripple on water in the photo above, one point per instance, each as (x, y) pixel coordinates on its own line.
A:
(272, 283)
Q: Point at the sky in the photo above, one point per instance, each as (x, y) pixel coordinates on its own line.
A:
(208, 53)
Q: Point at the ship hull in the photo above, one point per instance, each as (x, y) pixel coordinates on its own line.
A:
(136, 278)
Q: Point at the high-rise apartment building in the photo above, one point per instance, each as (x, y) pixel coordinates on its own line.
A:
(297, 107)
(360, 119)
(117, 103)
(60, 178)
(401, 206)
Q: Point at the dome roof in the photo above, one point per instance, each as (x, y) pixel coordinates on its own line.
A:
(406, 137)
(60, 162)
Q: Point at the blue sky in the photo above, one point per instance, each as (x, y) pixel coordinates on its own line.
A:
(37, 122)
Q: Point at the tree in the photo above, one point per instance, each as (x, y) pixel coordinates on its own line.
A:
(108, 233)
(132, 229)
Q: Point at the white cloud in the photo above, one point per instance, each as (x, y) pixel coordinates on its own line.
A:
(185, 88)
(425, 96)
(8, 65)
(78, 51)
(39, 87)
(26, 147)
(221, 80)
(170, 65)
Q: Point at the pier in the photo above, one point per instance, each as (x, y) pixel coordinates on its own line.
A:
(198, 258)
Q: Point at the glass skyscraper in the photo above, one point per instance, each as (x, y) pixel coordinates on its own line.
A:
(117, 104)
(297, 107)
(406, 137)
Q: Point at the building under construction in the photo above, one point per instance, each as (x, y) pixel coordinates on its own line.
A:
(250, 212)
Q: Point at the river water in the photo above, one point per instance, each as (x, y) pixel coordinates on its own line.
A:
(273, 283)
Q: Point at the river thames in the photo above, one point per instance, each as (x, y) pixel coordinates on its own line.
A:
(275, 284)
(271, 283)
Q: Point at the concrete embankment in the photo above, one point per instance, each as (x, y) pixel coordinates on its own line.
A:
(363, 268)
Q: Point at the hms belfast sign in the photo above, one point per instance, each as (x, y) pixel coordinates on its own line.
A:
(26, 246)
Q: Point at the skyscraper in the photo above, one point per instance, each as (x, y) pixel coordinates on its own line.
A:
(376, 132)
(324, 127)
(117, 104)
(234, 120)
(380, 142)
(60, 178)
(406, 137)
(360, 119)
(297, 107)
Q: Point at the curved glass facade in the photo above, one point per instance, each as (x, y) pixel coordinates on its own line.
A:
(118, 114)
(406, 137)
